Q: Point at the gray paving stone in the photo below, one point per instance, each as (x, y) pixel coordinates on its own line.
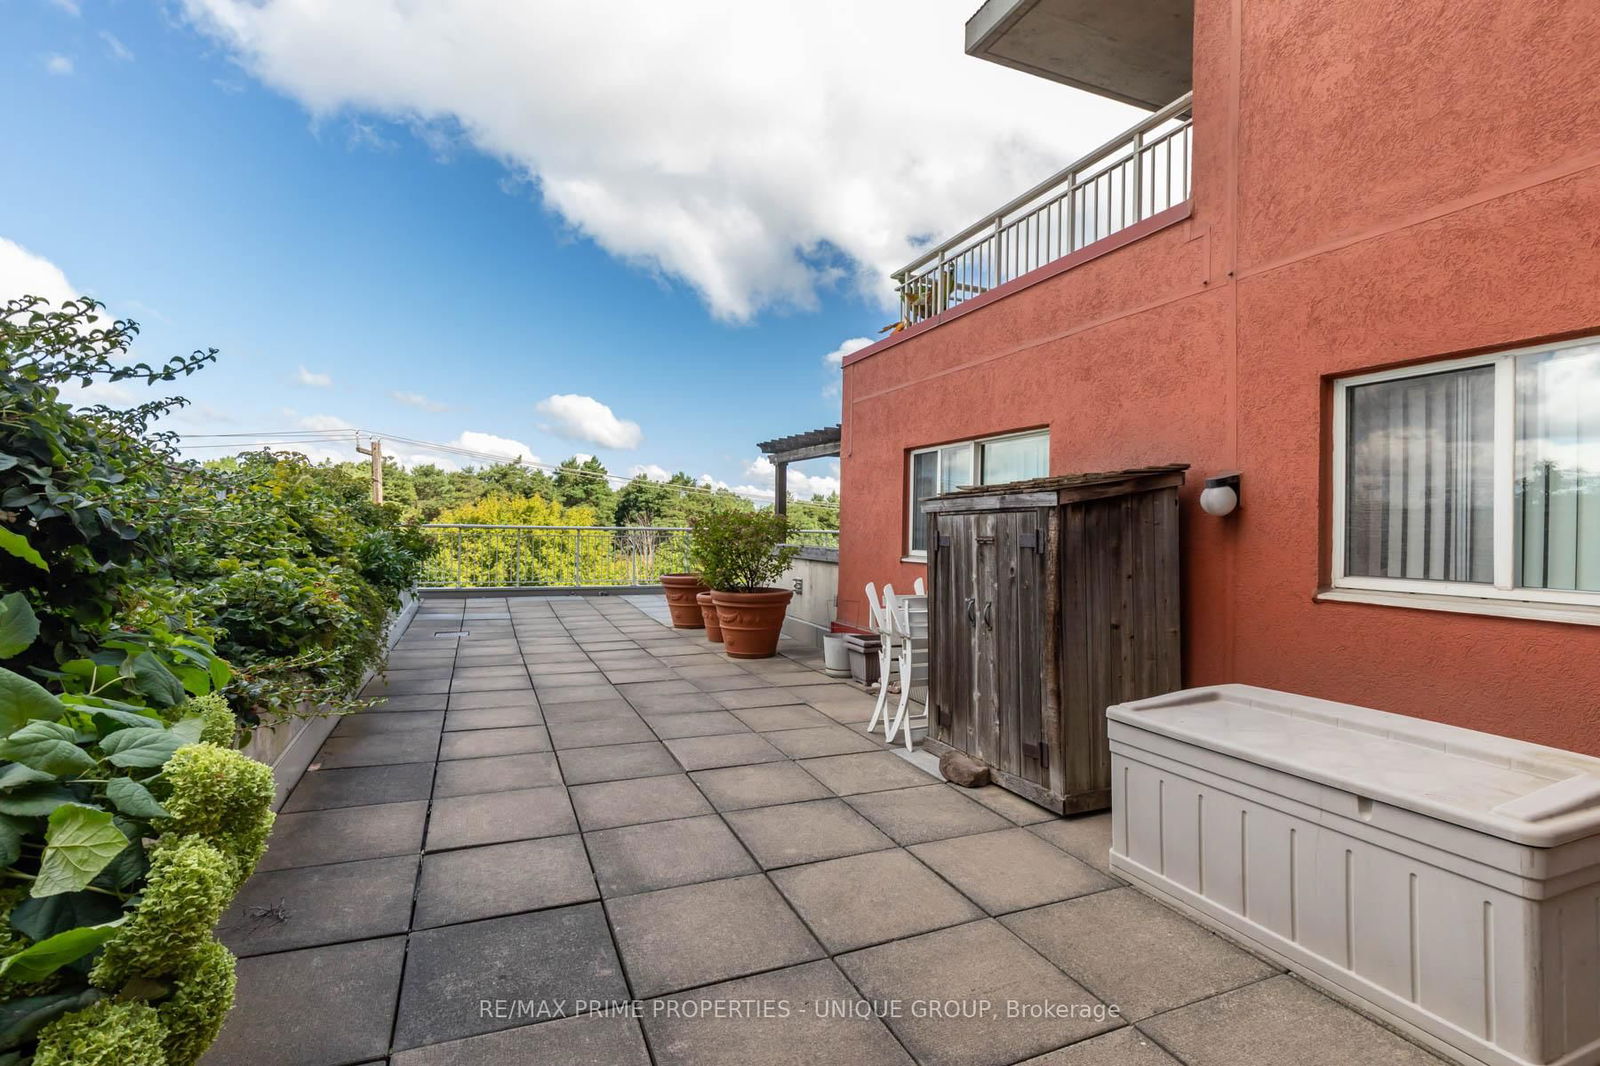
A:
(480, 743)
(696, 934)
(731, 749)
(805, 832)
(600, 732)
(581, 766)
(790, 716)
(642, 858)
(320, 1006)
(1010, 870)
(413, 687)
(744, 698)
(643, 692)
(278, 910)
(469, 682)
(1008, 804)
(477, 701)
(817, 741)
(1122, 1047)
(499, 773)
(699, 724)
(495, 817)
(927, 812)
(875, 771)
(608, 804)
(728, 682)
(637, 674)
(378, 749)
(1277, 1021)
(363, 725)
(676, 703)
(1130, 950)
(797, 1036)
(543, 666)
(764, 784)
(549, 698)
(549, 957)
(716, 667)
(491, 718)
(523, 875)
(343, 834)
(513, 668)
(588, 711)
(598, 1040)
(1085, 836)
(426, 702)
(867, 899)
(360, 786)
(970, 964)
(546, 681)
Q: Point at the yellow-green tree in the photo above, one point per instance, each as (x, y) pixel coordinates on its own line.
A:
(518, 557)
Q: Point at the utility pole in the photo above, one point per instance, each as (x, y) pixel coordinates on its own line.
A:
(376, 451)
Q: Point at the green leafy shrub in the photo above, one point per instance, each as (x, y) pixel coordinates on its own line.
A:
(740, 551)
(189, 886)
(105, 1034)
(220, 796)
(194, 1013)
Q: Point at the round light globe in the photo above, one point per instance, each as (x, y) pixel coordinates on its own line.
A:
(1219, 500)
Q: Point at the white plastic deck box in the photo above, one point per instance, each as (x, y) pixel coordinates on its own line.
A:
(1445, 881)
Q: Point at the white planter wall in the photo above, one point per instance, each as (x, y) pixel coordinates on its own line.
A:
(1445, 880)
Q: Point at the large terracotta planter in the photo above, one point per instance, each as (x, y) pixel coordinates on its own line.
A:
(681, 592)
(752, 621)
(708, 611)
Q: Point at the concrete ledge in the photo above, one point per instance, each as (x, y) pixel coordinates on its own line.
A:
(545, 590)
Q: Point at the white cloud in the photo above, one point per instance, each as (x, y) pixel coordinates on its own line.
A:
(22, 273)
(586, 418)
(418, 400)
(802, 486)
(836, 357)
(58, 64)
(115, 48)
(650, 470)
(69, 6)
(324, 423)
(500, 447)
(311, 379)
(758, 152)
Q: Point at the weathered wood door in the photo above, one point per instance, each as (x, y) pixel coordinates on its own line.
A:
(988, 692)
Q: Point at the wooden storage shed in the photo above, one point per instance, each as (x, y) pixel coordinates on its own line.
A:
(1051, 600)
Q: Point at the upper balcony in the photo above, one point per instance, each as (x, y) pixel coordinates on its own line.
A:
(1136, 175)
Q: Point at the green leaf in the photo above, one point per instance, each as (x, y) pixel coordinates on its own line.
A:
(38, 961)
(18, 625)
(16, 544)
(133, 799)
(141, 748)
(21, 1019)
(47, 746)
(15, 774)
(188, 729)
(22, 700)
(12, 830)
(36, 801)
(127, 869)
(40, 919)
(79, 843)
(115, 717)
(220, 672)
(151, 677)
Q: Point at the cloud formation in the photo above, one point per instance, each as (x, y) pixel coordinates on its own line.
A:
(586, 418)
(312, 379)
(418, 400)
(802, 486)
(761, 153)
(58, 64)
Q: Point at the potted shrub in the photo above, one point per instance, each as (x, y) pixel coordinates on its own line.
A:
(740, 553)
(708, 611)
(681, 592)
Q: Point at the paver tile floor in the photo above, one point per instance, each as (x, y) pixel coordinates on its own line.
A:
(577, 837)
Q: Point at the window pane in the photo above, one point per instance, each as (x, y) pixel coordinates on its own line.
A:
(1419, 495)
(1015, 458)
(1558, 470)
(924, 478)
(955, 467)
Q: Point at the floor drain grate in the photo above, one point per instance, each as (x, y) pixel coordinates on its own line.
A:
(452, 633)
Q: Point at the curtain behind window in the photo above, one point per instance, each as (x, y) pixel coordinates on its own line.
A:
(1558, 470)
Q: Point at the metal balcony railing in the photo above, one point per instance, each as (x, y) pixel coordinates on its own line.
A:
(1138, 174)
(513, 557)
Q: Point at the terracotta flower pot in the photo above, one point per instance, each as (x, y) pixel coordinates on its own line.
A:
(681, 592)
(751, 621)
(708, 611)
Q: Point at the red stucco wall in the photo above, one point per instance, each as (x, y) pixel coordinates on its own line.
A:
(1373, 184)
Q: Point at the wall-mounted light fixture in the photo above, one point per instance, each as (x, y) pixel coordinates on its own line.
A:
(1221, 494)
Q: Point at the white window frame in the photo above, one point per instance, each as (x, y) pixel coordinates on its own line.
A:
(1503, 587)
(974, 458)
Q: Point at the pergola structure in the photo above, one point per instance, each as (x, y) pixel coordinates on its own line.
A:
(812, 444)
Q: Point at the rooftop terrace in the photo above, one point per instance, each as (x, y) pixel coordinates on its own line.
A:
(571, 805)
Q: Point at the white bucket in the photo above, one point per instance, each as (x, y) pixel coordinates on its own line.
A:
(835, 658)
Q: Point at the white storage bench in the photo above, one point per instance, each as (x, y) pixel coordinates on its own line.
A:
(1443, 880)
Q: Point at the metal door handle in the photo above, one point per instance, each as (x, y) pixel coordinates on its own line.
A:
(972, 611)
(988, 615)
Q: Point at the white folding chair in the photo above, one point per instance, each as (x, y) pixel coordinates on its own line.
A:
(880, 623)
(909, 617)
(919, 587)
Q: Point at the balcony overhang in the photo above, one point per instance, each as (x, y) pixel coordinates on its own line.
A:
(1140, 52)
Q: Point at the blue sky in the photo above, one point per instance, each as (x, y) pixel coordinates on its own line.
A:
(485, 234)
